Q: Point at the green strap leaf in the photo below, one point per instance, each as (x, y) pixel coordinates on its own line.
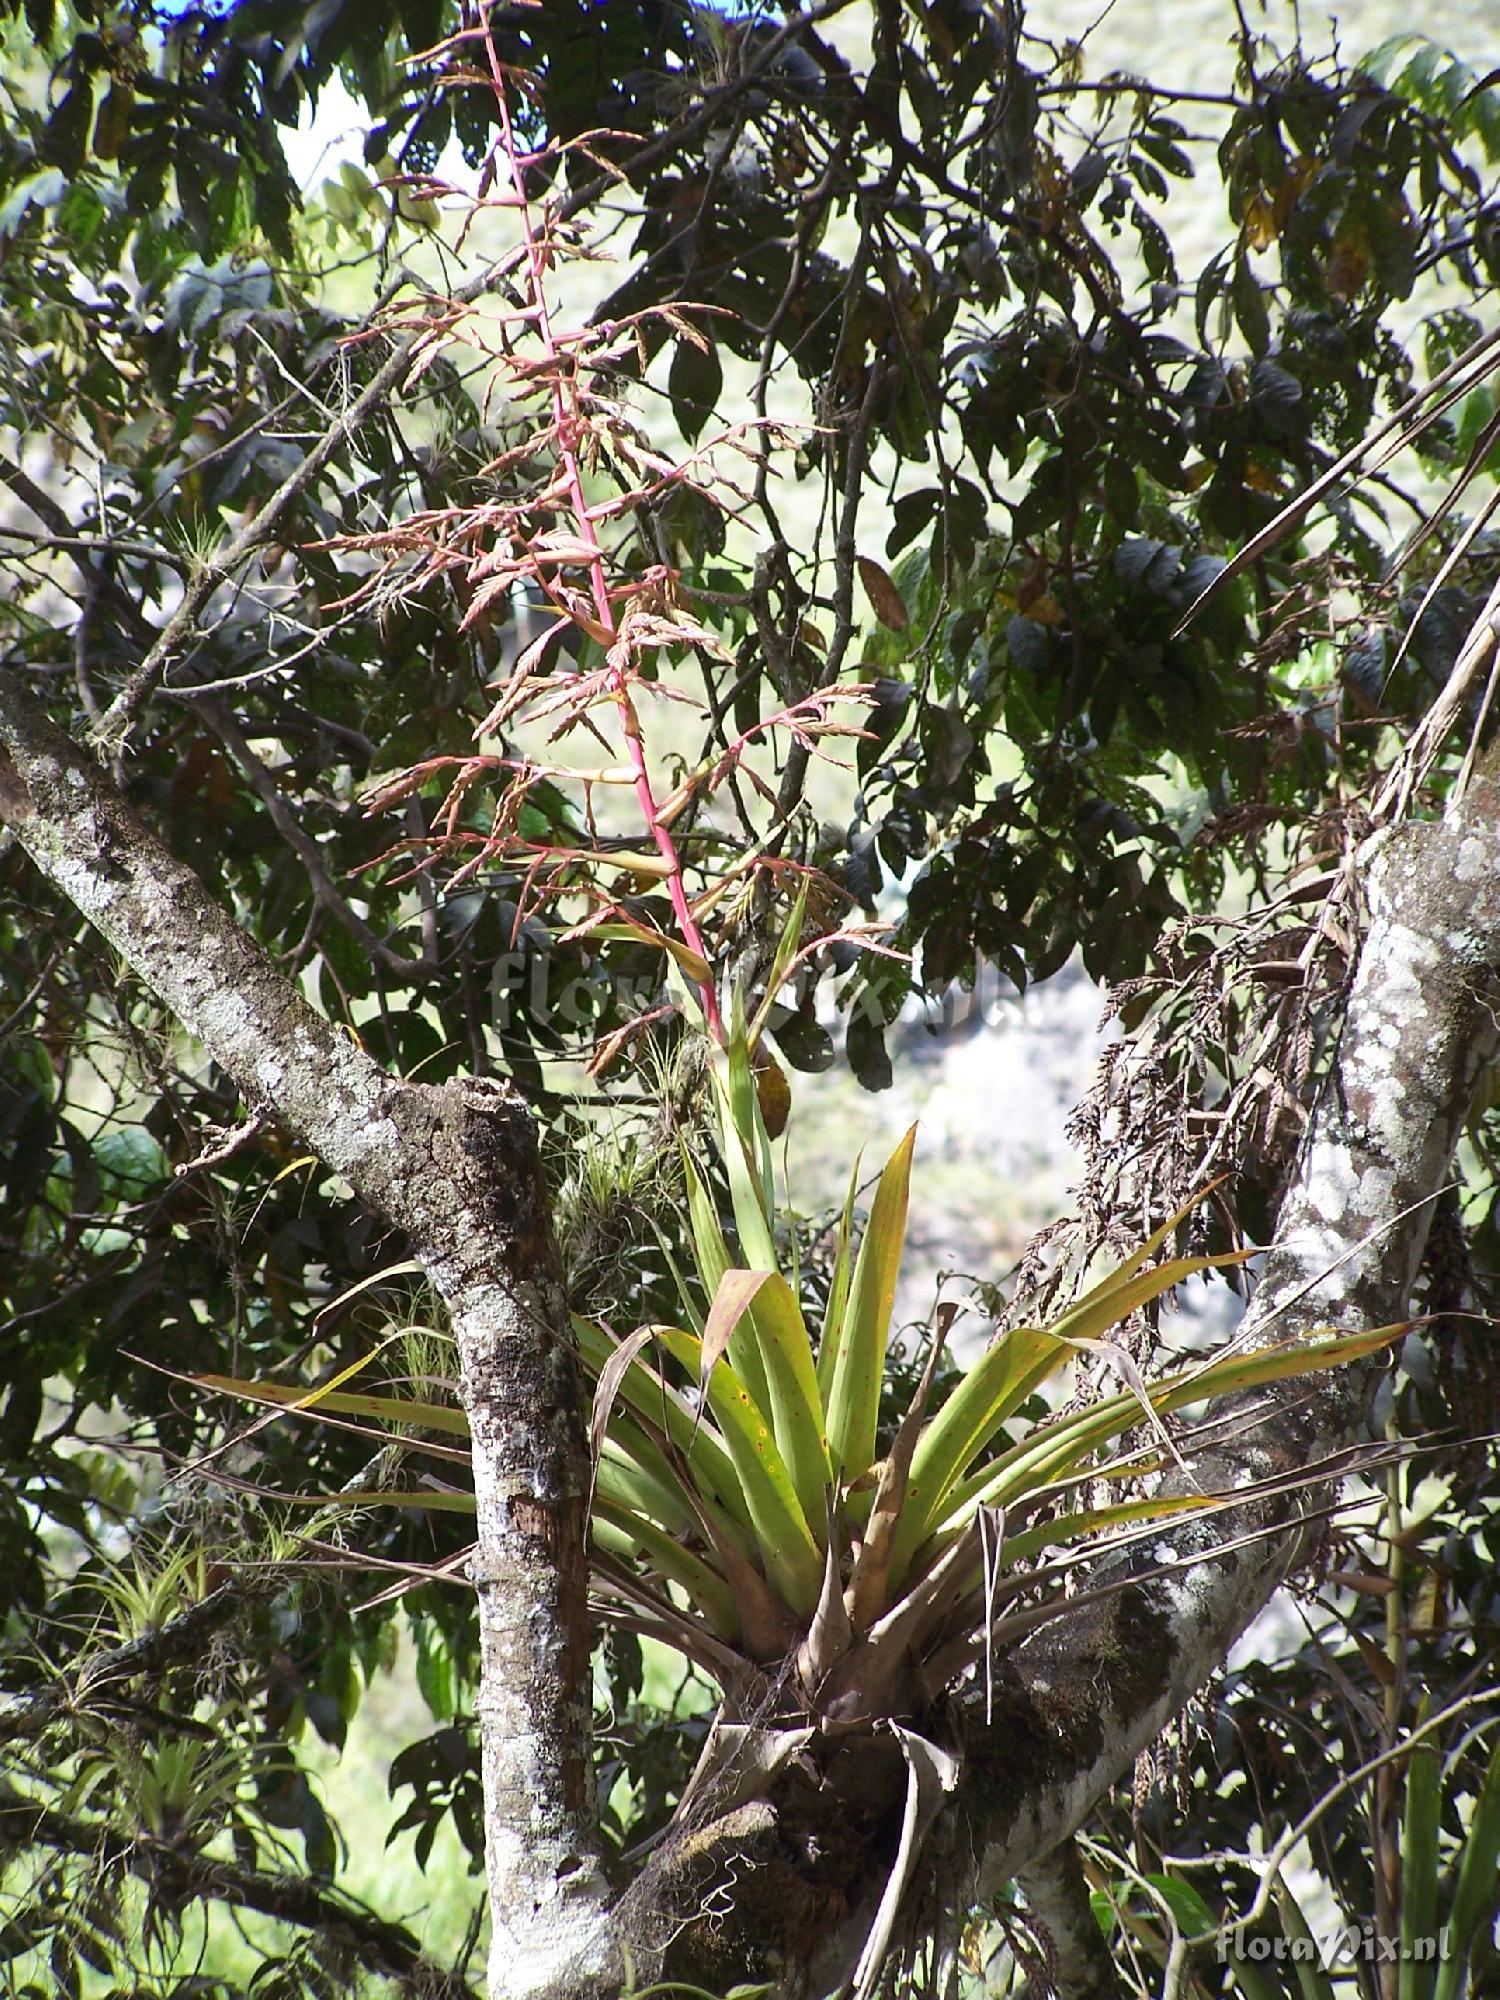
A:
(621, 1476)
(685, 1296)
(710, 1251)
(1073, 1527)
(620, 1530)
(1420, 1862)
(786, 951)
(1313, 1982)
(760, 1307)
(838, 1292)
(437, 1500)
(713, 1258)
(995, 1387)
(1127, 1268)
(859, 1365)
(792, 1559)
(1115, 1300)
(657, 1403)
(747, 1156)
(869, 1575)
(1474, 1892)
(402, 1411)
(1058, 1447)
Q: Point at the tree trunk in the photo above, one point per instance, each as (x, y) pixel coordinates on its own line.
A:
(456, 1169)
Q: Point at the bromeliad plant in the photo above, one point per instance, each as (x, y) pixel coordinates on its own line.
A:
(745, 1510)
(748, 1509)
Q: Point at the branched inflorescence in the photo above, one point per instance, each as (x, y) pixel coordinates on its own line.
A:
(557, 546)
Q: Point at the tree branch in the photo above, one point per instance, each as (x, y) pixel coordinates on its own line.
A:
(1422, 1024)
(180, 1639)
(109, 733)
(217, 714)
(1057, 1896)
(177, 1875)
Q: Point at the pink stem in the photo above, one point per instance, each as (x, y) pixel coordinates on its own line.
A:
(566, 422)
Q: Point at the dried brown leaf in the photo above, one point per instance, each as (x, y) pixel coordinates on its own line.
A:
(886, 600)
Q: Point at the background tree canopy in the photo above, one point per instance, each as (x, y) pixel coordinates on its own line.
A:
(1114, 461)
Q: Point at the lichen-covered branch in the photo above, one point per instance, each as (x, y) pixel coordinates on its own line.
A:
(456, 1167)
(1422, 1024)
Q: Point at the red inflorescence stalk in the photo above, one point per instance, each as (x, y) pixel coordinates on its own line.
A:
(566, 418)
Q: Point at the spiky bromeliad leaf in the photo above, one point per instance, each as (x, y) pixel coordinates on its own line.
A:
(1059, 1447)
(1071, 1527)
(994, 1388)
(747, 1154)
(869, 1576)
(710, 1251)
(838, 1290)
(400, 1410)
(622, 1532)
(790, 1554)
(785, 958)
(659, 1405)
(1014, 1367)
(853, 1397)
(621, 1477)
(712, 1256)
(763, 1302)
